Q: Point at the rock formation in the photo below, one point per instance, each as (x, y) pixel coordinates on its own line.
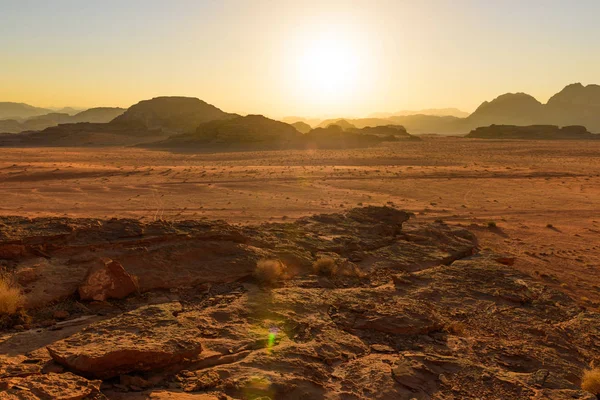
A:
(301, 127)
(173, 114)
(533, 132)
(413, 311)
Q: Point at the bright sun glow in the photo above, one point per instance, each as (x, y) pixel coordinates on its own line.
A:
(328, 67)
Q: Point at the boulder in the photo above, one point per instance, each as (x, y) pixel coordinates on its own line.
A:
(107, 280)
(148, 338)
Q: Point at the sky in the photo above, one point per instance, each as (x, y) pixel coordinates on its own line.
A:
(289, 57)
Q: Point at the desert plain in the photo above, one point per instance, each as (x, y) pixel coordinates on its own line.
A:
(446, 268)
(542, 196)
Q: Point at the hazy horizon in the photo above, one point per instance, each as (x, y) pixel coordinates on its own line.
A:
(310, 59)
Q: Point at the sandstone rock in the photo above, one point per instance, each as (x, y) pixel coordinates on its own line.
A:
(107, 280)
(26, 276)
(11, 251)
(65, 386)
(61, 314)
(148, 338)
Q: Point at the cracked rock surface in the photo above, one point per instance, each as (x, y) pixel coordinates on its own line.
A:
(413, 312)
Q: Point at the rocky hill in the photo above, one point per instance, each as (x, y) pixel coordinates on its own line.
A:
(342, 123)
(365, 304)
(9, 110)
(250, 131)
(85, 134)
(438, 112)
(533, 132)
(301, 127)
(40, 122)
(574, 105)
(335, 137)
(509, 109)
(98, 115)
(397, 132)
(173, 114)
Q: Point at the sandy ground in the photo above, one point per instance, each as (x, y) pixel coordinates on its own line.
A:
(544, 197)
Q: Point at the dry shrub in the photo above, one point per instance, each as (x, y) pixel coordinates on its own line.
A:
(456, 328)
(591, 381)
(10, 296)
(330, 267)
(325, 266)
(269, 271)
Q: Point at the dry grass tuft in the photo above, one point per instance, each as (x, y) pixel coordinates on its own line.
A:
(456, 328)
(269, 271)
(325, 266)
(330, 267)
(591, 381)
(10, 296)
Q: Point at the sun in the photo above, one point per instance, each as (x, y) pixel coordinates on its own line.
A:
(328, 67)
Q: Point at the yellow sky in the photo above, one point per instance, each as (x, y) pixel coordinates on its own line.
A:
(295, 58)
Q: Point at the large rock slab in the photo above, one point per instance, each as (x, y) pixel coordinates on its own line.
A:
(148, 338)
(65, 386)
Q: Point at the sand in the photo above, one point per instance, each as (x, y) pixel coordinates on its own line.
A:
(543, 196)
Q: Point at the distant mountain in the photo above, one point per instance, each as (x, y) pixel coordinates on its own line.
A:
(425, 124)
(356, 123)
(533, 132)
(174, 114)
(249, 131)
(309, 121)
(10, 110)
(510, 109)
(301, 127)
(344, 124)
(438, 112)
(85, 134)
(335, 137)
(40, 122)
(391, 132)
(259, 132)
(98, 114)
(69, 110)
(574, 105)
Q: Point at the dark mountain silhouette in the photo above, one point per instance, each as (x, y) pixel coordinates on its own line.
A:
(335, 137)
(391, 132)
(9, 110)
(85, 134)
(40, 122)
(422, 124)
(69, 110)
(510, 109)
(574, 105)
(309, 121)
(98, 114)
(251, 130)
(438, 112)
(354, 123)
(259, 132)
(342, 123)
(174, 114)
(533, 132)
(302, 127)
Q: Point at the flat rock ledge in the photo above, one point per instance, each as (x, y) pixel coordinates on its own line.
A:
(148, 338)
